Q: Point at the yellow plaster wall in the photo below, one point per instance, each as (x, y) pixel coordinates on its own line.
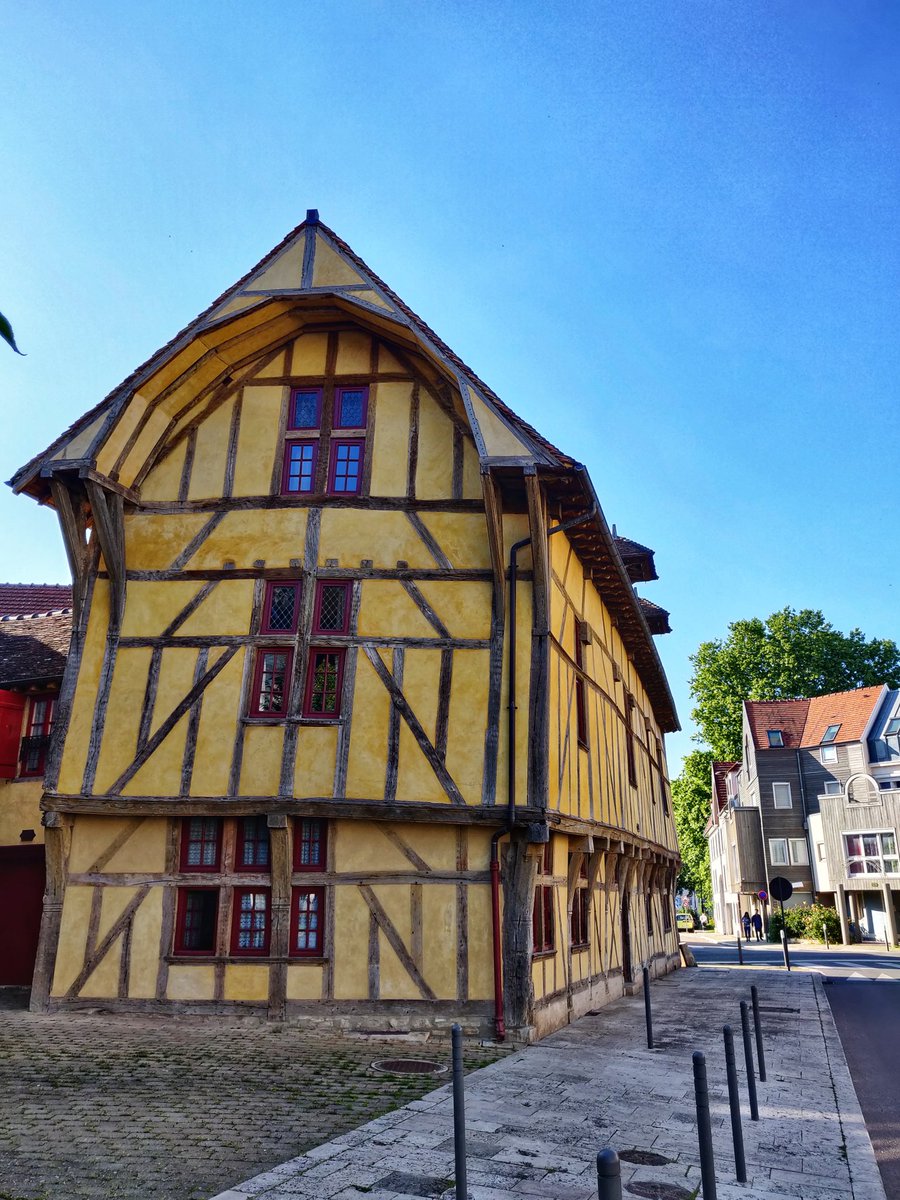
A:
(72, 935)
(20, 809)
(305, 982)
(103, 981)
(154, 429)
(499, 439)
(81, 442)
(351, 972)
(284, 272)
(82, 717)
(215, 733)
(330, 269)
(480, 943)
(208, 470)
(368, 740)
(191, 982)
(461, 536)
(246, 981)
(394, 981)
(308, 354)
(125, 698)
(145, 944)
(391, 446)
(354, 353)
(145, 849)
(243, 537)
(464, 607)
(471, 472)
(258, 439)
(163, 480)
(386, 610)
(115, 440)
(315, 762)
(226, 610)
(434, 470)
(261, 764)
(154, 540)
(415, 778)
(440, 938)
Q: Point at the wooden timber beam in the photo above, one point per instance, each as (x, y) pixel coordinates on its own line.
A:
(107, 509)
(70, 510)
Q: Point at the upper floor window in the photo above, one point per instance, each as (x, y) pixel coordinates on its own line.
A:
(629, 739)
(201, 843)
(582, 637)
(351, 407)
(781, 795)
(345, 466)
(892, 727)
(828, 754)
(282, 606)
(830, 734)
(323, 687)
(309, 844)
(36, 742)
(306, 408)
(318, 457)
(271, 681)
(775, 737)
(832, 787)
(252, 848)
(872, 853)
(332, 610)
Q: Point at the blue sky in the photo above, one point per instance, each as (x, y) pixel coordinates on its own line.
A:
(665, 233)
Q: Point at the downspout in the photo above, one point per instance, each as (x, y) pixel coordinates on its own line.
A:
(499, 1023)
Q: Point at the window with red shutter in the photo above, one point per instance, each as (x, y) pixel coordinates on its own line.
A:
(12, 708)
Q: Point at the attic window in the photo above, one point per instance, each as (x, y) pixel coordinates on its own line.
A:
(893, 727)
(776, 738)
(306, 408)
(829, 735)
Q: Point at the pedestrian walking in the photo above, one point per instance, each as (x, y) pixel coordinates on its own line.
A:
(745, 921)
(756, 921)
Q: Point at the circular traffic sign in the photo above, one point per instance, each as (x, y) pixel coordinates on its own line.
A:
(762, 894)
(782, 889)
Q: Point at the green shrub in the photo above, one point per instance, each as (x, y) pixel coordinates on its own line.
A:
(806, 921)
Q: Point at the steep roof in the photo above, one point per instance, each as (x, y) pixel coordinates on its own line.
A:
(720, 773)
(313, 269)
(33, 649)
(637, 558)
(803, 722)
(657, 618)
(25, 599)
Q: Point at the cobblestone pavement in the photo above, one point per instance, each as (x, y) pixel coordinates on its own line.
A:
(106, 1107)
(536, 1121)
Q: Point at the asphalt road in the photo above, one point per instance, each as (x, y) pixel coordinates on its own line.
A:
(865, 1001)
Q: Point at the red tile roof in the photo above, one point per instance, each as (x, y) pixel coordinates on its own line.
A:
(33, 649)
(802, 722)
(26, 599)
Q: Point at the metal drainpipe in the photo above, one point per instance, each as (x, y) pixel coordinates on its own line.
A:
(499, 1023)
(809, 847)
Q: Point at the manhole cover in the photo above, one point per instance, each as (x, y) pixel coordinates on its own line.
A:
(408, 1066)
(658, 1191)
(646, 1158)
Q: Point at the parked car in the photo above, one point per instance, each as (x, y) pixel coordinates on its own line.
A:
(684, 921)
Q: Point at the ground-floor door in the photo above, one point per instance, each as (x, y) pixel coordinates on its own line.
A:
(21, 895)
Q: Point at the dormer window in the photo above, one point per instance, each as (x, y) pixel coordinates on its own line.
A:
(776, 738)
(893, 727)
(829, 735)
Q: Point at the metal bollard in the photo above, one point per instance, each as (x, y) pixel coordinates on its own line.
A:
(757, 1025)
(648, 1015)
(734, 1103)
(748, 1061)
(887, 944)
(704, 1130)
(459, 1114)
(609, 1176)
(784, 949)
(740, 951)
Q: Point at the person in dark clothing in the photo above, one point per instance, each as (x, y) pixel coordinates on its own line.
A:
(745, 921)
(756, 922)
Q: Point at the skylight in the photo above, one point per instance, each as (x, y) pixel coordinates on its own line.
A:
(830, 734)
(775, 736)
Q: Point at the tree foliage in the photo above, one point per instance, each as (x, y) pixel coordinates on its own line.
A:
(690, 808)
(788, 656)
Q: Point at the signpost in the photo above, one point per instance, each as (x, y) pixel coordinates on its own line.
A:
(782, 889)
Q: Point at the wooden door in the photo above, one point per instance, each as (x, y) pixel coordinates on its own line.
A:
(21, 896)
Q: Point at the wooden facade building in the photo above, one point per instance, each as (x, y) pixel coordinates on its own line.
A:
(363, 718)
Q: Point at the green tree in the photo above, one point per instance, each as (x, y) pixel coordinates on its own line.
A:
(690, 808)
(789, 655)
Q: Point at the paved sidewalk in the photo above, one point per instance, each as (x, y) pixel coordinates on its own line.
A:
(536, 1120)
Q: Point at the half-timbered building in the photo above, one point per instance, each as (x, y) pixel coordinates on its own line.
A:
(363, 718)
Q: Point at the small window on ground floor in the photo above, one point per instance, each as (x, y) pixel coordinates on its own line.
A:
(542, 919)
(250, 924)
(307, 922)
(580, 928)
(196, 920)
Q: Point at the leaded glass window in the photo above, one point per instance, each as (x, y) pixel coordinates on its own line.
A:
(200, 843)
(271, 682)
(253, 844)
(350, 408)
(306, 408)
(309, 851)
(333, 609)
(307, 921)
(250, 932)
(282, 607)
(323, 696)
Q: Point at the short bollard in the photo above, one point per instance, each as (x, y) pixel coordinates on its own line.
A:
(648, 1015)
(459, 1114)
(784, 950)
(757, 1025)
(609, 1176)
(740, 951)
(704, 1130)
(734, 1103)
(748, 1061)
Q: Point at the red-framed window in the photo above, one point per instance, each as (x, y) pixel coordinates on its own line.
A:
(252, 845)
(250, 921)
(310, 844)
(323, 686)
(542, 924)
(201, 843)
(305, 410)
(271, 681)
(36, 742)
(581, 907)
(629, 739)
(581, 713)
(196, 920)
(351, 407)
(332, 608)
(281, 608)
(345, 466)
(307, 922)
(299, 472)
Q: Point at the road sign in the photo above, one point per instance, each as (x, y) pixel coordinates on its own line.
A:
(781, 888)
(762, 895)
